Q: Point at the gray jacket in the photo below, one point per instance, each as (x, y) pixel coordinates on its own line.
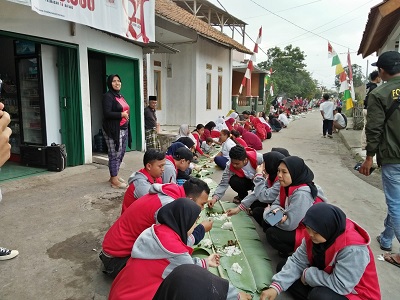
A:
(148, 246)
(296, 207)
(141, 183)
(350, 264)
(170, 172)
(261, 192)
(227, 174)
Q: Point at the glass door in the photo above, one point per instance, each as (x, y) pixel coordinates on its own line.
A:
(31, 101)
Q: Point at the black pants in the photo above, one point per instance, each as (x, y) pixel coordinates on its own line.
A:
(327, 127)
(304, 292)
(241, 185)
(281, 240)
(113, 265)
(257, 211)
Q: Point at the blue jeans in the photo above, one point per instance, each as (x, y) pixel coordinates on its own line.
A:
(391, 188)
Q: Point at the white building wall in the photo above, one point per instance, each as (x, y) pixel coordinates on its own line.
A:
(217, 56)
(21, 19)
(390, 43)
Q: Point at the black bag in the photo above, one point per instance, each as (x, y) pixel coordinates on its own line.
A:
(56, 157)
(34, 156)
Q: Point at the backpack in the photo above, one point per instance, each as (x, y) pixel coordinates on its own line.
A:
(345, 119)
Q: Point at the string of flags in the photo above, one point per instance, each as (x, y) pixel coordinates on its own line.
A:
(346, 80)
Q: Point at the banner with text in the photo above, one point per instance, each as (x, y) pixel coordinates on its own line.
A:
(133, 19)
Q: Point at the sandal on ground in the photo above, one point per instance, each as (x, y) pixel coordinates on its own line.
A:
(390, 258)
(378, 238)
(236, 200)
(119, 179)
(119, 186)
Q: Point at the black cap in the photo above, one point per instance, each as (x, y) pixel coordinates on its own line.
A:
(183, 153)
(387, 60)
(152, 98)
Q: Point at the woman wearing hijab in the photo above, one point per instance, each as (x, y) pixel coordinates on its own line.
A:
(296, 195)
(191, 282)
(158, 250)
(116, 128)
(265, 190)
(334, 261)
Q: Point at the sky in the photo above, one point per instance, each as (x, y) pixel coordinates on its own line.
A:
(341, 22)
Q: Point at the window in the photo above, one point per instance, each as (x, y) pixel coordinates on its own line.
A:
(157, 88)
(219, 92)
(208, 91)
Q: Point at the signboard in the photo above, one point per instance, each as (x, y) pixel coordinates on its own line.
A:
(133, 19)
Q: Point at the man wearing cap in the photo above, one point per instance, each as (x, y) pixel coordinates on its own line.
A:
(150, 124)
(383, 139)
(180, 160)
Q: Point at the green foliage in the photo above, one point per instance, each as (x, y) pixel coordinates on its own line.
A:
(290, 77)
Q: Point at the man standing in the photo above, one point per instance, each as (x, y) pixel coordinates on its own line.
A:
(383, 138)
(370, 86)
(150, 124)
(326, 109)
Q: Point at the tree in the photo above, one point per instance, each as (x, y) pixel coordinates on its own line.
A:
(289, 76)
(358, 76)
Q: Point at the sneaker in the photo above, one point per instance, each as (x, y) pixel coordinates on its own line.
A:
(388, 249)
(7, 254)
(330, 136)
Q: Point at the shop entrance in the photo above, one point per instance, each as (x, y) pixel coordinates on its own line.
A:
(100, 66)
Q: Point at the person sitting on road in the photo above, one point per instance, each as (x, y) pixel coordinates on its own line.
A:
(265, 190)
(275, 124)
(238, 173)
(235, 136)
(227, 143)
(297, 194)
(283, 119)
(207, 145)
(334, 261)
(180, 160)
(193, 282)
(158, 250)
(338, 121)
(197, 133)
(119, 239)
(252, 140)
(141, 181)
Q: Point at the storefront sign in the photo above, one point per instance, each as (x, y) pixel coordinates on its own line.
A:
(133, 19)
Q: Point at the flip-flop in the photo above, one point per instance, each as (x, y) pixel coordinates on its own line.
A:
(120, 186)
(389, 258)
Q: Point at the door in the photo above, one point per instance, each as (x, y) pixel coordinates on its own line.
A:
(128, 70)
(70, 105)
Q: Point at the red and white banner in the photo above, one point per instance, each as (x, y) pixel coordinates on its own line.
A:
(133, 19)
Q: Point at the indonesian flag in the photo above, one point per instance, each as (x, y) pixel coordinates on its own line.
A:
(331, 52)
(350, 75)
(344, 85)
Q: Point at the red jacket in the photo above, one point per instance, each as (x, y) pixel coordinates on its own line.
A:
(241, 142)
(368, 286)
(252, 157)
(301, 229)
(120, 238)
(129, 196)
(145, 271)
(198, 143)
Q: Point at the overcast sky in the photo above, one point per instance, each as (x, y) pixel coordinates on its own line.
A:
(342, 22)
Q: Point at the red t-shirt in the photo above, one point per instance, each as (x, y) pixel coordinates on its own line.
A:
(125, 107)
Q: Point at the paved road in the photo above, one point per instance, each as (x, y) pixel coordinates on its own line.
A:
(57, 221)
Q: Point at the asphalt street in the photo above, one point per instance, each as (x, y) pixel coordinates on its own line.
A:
(57, 220)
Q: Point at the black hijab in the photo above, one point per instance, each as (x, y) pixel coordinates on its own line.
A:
(300, 173)
(330, 222)
(174, 146)
(284, 151)
(192, 282)
(179, 215)
(187, 141)
(109, 84)
(271, 161)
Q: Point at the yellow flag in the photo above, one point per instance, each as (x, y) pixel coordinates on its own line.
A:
(348, 99)
(339, 69)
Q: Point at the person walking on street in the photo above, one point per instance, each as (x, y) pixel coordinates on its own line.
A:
(116, 128)
(150, 124)
(383, 139)
(370, 86)
(326, 109)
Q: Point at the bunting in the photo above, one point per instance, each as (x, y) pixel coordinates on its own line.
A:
(349, 65)
(250, 66)
(271, 90)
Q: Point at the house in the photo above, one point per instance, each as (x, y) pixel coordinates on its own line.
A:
(193, 79)
(382, 31)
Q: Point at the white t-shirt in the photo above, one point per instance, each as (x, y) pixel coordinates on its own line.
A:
(282, 117)
(327, 107)
(339, 118)
(226, 146)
